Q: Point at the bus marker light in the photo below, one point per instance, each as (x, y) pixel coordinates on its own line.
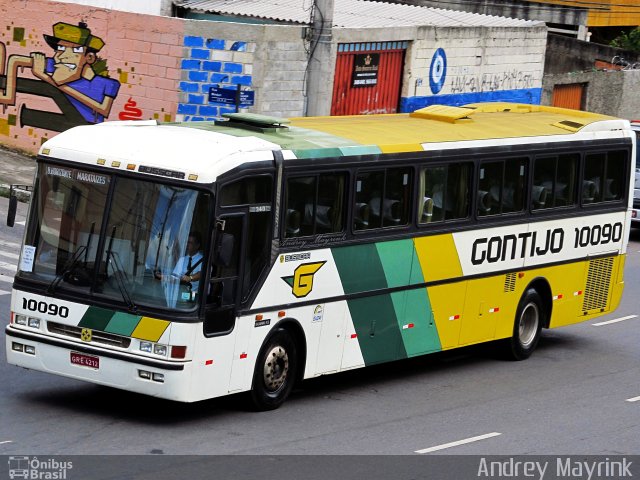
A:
(557, 297)
(354, 335)
(259, 317)
(101, 161)
(520, 274)
(454, 317)
(193, 177)
(30, 349)
(115, 164)
(579, 292)
(208, 362)
(144, 374)
(158, 377)
(407, 326)
(494, 310)
(17, 347)
(178, 351)
(243, 355)
(281, 313)
(131, 166)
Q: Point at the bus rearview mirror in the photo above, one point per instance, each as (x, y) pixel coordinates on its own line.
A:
(11, 211)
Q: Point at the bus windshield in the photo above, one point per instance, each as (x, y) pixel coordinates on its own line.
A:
(119, 239)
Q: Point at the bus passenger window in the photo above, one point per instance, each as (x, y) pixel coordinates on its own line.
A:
(250, 190)
(593, 175)
(383, 198)
(314, 205)
(501, 187)
(554, 181)
(444, 193)
(614, 176)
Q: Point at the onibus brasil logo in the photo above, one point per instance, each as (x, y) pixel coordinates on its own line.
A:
(33, 468)
(301, 282)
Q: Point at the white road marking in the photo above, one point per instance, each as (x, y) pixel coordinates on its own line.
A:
(6, 441)
(5, 278)
(15, 246)
(13, 256)
(459, 442)
(21, 223)
(4, 292)
(634, 399)
(12, 267)
(616, 320)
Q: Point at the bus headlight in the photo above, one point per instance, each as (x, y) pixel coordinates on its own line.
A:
(20, 319)
(34, 322)
(146, 347)
(160, 350)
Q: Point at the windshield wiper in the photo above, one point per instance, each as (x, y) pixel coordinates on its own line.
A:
(71, 263)
(113, 259)
(68, 267)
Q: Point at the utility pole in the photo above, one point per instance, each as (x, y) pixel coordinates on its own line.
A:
(319, 79)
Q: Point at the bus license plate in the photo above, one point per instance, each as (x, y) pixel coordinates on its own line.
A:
(85, 360)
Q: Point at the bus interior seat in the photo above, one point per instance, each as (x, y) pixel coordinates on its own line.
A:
(361, 216)
(427, 210)
(292, 223)
(539, 196)
(391, 210)
(610, 189)
(589, 191)
(484, 202)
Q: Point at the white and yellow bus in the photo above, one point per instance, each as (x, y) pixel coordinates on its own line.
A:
(323, 244)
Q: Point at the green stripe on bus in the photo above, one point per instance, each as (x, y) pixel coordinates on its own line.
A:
(375, 323)
(396, 258)
(359, 268)
(96, 318)
(418, 329)
(412, 307)
(123, 324)
(360, 150)
(318, 153)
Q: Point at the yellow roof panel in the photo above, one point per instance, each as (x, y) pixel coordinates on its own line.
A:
(431, 125)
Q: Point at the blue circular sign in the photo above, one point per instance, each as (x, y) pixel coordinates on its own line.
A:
(438, 71)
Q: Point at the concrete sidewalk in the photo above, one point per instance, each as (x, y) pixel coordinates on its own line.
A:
(15, 168)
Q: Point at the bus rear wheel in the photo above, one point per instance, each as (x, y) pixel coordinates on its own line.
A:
(530, 317)
(275, 371)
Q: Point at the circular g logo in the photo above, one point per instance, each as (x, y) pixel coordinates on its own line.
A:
(438, 71)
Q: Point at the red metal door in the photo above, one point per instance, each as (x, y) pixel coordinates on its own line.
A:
(384, 96)
(568, 96)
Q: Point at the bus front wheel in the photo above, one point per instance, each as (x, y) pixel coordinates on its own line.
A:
(275, 371)
(530, 317)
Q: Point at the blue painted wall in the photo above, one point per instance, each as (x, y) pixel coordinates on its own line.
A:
(526, 95)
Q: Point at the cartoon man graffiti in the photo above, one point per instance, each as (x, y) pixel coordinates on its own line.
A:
(74, 70)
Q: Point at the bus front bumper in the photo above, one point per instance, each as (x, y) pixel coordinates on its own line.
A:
(158, 378)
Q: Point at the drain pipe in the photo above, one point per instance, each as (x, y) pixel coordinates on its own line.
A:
(320, 73)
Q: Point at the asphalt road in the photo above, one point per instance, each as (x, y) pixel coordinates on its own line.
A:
(571, 397)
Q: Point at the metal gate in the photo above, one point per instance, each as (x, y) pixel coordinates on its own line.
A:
(368, 78)
(568, 96)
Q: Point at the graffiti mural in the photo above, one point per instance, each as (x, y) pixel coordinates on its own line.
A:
(74, 77)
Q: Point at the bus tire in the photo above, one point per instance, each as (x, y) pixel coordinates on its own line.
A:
(530, 316)
(275, 371)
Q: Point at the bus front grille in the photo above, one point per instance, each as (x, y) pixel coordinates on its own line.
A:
(596, 293)
(96, 336)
